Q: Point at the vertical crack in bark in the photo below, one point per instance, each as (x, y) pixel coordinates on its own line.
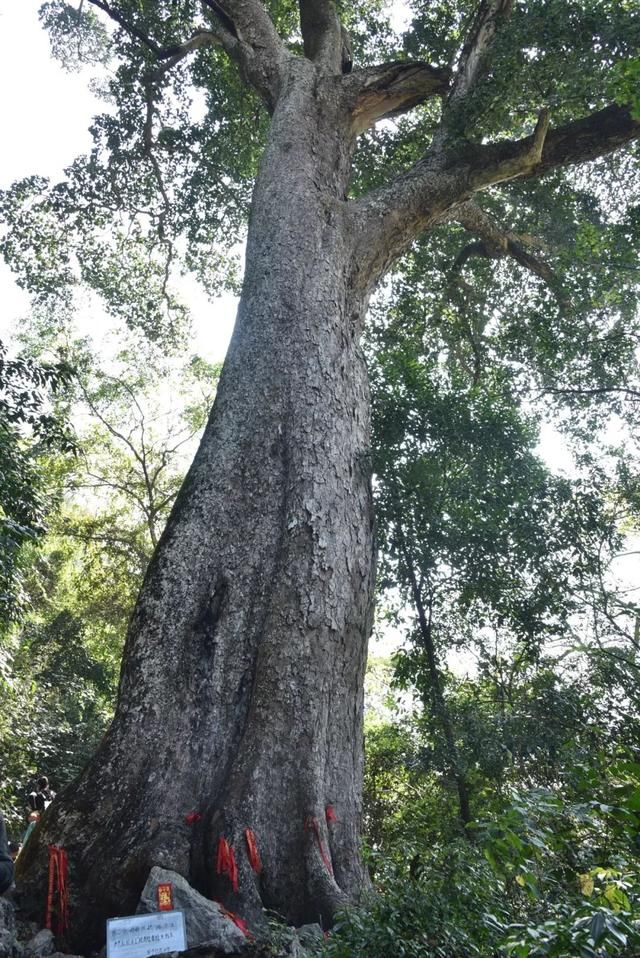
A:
(207, 623)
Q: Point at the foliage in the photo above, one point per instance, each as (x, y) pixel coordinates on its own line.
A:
(439, 913)
(32, 428)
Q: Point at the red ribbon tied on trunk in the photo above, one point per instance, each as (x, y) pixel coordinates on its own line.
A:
(311, 825)
(226, 862)
(236, 919)
(252, 851)
(192, 818)
(58, 872)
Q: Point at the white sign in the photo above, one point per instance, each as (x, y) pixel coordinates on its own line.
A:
(140, 936)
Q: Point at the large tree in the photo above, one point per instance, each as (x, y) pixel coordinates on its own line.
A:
(241, 689)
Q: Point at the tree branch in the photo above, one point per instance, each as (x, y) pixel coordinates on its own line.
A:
(390, 218)
(128, 27)
(242, 27)
(497, 243)
(582, 140)
(201, 38)
(392, 89)
(633, 394)
(249, 37)
(477, 46)
(472, 65)
(322, 35)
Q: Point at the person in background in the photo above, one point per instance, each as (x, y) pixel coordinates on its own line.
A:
(44, 795)
(6, 864)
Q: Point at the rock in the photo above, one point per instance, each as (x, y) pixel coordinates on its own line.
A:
(286, 941)
(309, 934)
(205, 922)
(9, 945)
(41, 945)
(7, 915)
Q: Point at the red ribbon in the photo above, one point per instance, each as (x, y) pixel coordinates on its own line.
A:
(192, 818)
(311, 825)
(330, 814)
(58, 874)
(252, 851)
(226, 862)
(236, 919)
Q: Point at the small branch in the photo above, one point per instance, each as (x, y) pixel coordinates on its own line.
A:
(633, 394)
(472, 64)
(477, 46)
(200, 39)
(521, 159)
(394, 88)
(497, 243)
(128, 27)
(157, 172)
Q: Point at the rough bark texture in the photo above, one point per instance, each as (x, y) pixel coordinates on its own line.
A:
(242, 686)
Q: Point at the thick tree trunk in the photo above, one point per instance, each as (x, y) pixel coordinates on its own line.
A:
(242, 682)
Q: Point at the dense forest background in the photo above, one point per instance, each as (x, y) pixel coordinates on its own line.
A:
(502, 790)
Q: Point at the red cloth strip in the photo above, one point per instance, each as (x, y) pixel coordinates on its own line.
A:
(57, 886)
(226, 862)
(311, 825)
(252, 851)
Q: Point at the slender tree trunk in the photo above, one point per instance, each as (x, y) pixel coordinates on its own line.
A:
(242, 683)
(440, 710)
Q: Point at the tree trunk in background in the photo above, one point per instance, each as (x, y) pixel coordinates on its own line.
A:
(242, 681)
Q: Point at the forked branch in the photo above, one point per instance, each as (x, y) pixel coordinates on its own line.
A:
(497, 243)
(515, 159)
(390, 218)
(242, 27)
(249, 37)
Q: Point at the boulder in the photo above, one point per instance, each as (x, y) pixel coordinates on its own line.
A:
(41, 945)
(205, 921)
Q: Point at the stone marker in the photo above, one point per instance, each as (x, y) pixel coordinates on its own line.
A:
(205, 921)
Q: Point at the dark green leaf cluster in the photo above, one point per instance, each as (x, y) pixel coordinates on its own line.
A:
(31, 427)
